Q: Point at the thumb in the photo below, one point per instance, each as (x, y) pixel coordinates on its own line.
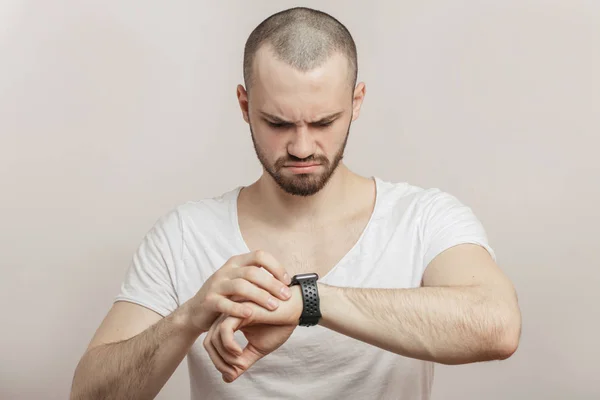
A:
(250, 355)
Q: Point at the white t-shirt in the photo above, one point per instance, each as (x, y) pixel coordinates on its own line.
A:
(408, 228)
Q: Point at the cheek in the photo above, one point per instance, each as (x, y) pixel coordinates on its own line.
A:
(333, 139)
(269, 143)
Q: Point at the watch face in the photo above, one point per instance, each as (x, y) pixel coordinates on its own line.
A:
(307, 276)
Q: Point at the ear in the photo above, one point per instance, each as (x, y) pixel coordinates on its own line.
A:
(357, 100)
(242, 96)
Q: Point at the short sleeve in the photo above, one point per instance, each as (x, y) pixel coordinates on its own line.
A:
(150, 278)
(446, 223)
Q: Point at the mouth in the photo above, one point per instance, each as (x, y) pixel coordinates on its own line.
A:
(301, 165)
(304, 168)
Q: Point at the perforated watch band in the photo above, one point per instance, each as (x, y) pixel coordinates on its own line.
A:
(311, 311)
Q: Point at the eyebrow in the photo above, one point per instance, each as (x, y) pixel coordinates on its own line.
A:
(275, 119)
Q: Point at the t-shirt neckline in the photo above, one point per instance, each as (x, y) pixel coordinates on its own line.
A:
(245, 249)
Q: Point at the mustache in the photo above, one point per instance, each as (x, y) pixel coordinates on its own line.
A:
(291, 159)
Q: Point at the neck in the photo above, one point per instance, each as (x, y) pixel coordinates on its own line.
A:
(283, 209)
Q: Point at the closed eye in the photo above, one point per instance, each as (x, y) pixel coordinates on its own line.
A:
(323, 124)
(285, 125)
(278, 125)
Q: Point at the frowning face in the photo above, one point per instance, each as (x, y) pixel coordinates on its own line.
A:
(300, 121)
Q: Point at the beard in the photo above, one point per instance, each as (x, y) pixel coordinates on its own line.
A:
(301, 184)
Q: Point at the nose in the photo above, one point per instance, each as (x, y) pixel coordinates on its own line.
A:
(302, 144)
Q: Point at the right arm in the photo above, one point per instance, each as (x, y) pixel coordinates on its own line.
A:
(135, 351)
(118, 366)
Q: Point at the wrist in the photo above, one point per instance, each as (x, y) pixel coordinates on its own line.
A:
(186, 320)
(297, 304)
(326, 294)
(309, 291)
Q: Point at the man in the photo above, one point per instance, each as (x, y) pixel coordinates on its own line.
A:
(404, 276)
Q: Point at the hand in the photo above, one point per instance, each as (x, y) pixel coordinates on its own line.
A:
(240, 279)
(226, 354)
(265, 331)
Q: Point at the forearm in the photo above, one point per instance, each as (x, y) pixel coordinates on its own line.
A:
(136, 368)
(449, 325)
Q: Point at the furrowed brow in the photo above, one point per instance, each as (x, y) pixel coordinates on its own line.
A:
(274, 118)
(278, 120)
(328, 118)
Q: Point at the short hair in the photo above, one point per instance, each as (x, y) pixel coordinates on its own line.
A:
(303, 38)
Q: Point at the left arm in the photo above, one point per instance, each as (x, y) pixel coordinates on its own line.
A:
(466, 311)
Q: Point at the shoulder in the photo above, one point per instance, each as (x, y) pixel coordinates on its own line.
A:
(218, 207)
(414, 199)
(438, 218)
(195, 215)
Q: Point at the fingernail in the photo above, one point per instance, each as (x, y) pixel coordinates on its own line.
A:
(227, 378)
(286, 292)
(287, 279)
(272, 302)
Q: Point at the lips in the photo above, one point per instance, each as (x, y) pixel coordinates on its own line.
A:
(302, 168)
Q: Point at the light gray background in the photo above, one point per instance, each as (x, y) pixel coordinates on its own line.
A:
(113, 112)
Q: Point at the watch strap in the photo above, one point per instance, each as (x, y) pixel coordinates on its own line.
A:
(311, 311)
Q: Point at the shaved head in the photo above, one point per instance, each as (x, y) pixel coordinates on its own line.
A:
(300, 71)
(302, 38)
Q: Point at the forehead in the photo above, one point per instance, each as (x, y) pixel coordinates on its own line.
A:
(281, 89)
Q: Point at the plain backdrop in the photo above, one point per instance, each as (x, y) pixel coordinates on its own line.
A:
(113, 112)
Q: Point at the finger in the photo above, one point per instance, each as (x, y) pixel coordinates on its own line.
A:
(250, 355)
(229, 373)
(262, 279)
(224, 305)
(227, 329)
(242, 290)
(261, 258)
(228, 347)
(232, 359)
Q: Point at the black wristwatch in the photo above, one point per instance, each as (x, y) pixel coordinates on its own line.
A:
(311, 312)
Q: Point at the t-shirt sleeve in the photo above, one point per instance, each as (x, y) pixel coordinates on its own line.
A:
(150, 278)
(446, 223)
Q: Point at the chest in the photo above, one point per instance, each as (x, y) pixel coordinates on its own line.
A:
(312, 249)
(389, 254)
